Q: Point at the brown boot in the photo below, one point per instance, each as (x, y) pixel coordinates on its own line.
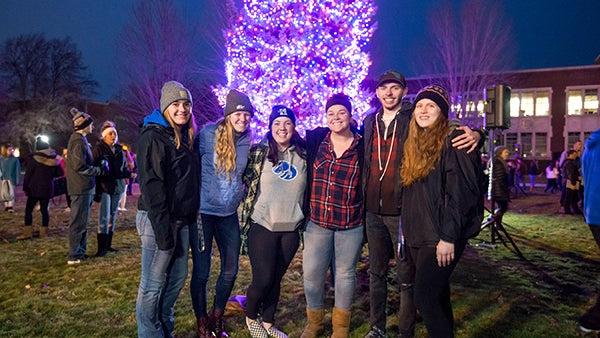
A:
(204, 330)
(340, 320)
(314, 323)
(43, 232)
(218, 321)
(27, 233)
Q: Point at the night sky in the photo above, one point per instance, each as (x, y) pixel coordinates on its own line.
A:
(547, 33)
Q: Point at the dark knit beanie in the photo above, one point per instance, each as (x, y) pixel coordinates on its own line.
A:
(173, 91)
(237, 101)
(391, 76)
(279, 111)
(41, 144)
(80, 119)
(437, 94)
(339, 98)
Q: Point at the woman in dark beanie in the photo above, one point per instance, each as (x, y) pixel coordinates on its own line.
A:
(334, 209)
(110, 186)
(270, 216)
(442, 206)
(223, 148)
(41, 168)
(167, 208)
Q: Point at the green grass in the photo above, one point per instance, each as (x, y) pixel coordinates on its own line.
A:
(494, 293)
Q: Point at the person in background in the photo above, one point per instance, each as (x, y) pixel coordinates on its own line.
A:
(551, 177)
(442, 206)
(109, 187)
(127, 181)
(41, 168)
(81, 174)
(500, 181)
(532, 171)
(223, 150)
(590, 166)
(573, 181)
(10, 169)
(167, 208)
(269, 219)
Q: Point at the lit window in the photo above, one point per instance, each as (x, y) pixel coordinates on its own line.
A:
(526, 145)
(527, 104)
(514, 105)
(480, 107)
(542, 104)
(511, 141)
(590, 101)
(541, 141)
(574, 103)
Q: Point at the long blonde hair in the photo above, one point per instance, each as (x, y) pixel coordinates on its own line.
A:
(423, 149)
(225, 147)
(190, 127)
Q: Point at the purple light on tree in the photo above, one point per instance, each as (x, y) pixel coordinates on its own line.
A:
(298, 53)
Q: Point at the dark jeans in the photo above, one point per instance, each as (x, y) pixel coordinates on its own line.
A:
(571, 199)
(551, 185)
(226, 232)
(31, 201)
(432, 289)
(80, 214)
(270, 255)
(596, 232)
(382, 237)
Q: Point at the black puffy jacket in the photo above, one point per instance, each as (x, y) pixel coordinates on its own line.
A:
(41, 168)
(169, 180)
(500, 186)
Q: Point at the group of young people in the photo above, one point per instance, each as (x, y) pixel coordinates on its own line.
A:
(408, 181)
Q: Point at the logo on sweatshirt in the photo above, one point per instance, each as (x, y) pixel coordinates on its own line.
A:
(285, 170)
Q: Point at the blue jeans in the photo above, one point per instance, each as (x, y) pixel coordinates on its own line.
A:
(80, 215)
(107, 213)
(320, 246)
(226, 232)
(162, 278)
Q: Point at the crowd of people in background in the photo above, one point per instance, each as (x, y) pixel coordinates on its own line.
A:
(407, 178)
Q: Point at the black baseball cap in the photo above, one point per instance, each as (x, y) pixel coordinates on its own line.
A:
(391, 76)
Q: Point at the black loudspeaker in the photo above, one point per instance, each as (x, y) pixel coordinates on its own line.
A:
(497, 106)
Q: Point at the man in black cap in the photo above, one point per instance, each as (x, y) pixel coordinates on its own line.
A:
(384, 134)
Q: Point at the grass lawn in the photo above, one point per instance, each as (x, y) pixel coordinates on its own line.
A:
(494, 293)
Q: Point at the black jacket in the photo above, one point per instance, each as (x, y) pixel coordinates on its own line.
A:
(41, 168)
(403, 119)
(169, 180)
(117, 167)
(500, 186)
(313, 141)
(81, 171)
(455, 190)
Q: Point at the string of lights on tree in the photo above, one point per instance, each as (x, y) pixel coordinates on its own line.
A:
(298, 53)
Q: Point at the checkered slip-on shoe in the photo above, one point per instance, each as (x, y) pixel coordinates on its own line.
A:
(256, 329)
(275, 332)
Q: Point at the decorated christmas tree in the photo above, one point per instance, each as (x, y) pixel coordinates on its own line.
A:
(298, 53)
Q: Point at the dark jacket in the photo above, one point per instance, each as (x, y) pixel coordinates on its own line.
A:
(500, 184)
(41, 169)
(403, 118)
(81, 171)
(168, 179)
(454, 199)
(313, 141)
(117, 167)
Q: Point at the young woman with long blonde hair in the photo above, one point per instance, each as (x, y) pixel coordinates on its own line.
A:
(442, 206)
(223, 149)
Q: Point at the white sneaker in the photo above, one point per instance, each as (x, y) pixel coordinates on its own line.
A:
(73, 261)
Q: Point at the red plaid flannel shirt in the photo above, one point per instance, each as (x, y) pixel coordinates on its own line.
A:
(335, 199)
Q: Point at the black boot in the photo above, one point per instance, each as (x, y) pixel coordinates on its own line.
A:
(109, 247)
(102, 240)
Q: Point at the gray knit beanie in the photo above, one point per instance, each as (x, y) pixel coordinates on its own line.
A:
(173, 91)
(80, 119)
(238, 101)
